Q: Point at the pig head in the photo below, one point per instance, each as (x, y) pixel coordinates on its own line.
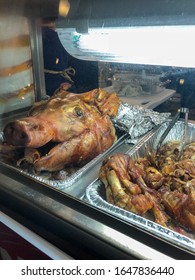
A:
(79, 124)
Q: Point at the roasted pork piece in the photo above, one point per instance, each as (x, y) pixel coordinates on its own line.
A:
(161, 186)
(75, 127)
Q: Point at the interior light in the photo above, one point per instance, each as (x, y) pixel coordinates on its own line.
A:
(151, 45)
(64, 7)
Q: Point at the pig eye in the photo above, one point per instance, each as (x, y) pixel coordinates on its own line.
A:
(78, 112)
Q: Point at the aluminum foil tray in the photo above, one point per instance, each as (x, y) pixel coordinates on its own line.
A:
(73, 174)
(95, 191)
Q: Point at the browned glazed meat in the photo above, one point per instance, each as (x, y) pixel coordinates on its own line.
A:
(126, 188)
(140, 186)
(79, 124)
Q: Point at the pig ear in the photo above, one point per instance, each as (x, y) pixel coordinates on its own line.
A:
(94, 96)
(108, 103)
(62, 90)
(90, 96)
(65, 86)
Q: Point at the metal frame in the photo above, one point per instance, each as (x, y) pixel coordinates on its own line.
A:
(37, 58)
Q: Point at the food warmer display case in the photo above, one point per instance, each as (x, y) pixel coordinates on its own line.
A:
(136, 44)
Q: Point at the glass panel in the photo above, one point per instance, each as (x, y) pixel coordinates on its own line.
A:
(16, 78)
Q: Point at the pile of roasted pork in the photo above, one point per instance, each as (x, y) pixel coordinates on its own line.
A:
(157, 185)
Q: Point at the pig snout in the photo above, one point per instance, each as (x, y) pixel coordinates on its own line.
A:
(32, 133)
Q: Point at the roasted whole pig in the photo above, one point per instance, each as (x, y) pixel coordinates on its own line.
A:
(165, 187)
(75, 127)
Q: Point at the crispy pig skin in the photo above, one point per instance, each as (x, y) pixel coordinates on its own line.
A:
(79, 124)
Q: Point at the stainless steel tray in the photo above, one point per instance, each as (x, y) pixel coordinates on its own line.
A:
(95, 191)
(75, 173)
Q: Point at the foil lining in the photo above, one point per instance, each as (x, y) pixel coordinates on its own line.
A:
(95, 191)
(137, 121)
(73, 174)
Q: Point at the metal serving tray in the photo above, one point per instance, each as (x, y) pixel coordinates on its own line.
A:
(73, 174)
(95, 191)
